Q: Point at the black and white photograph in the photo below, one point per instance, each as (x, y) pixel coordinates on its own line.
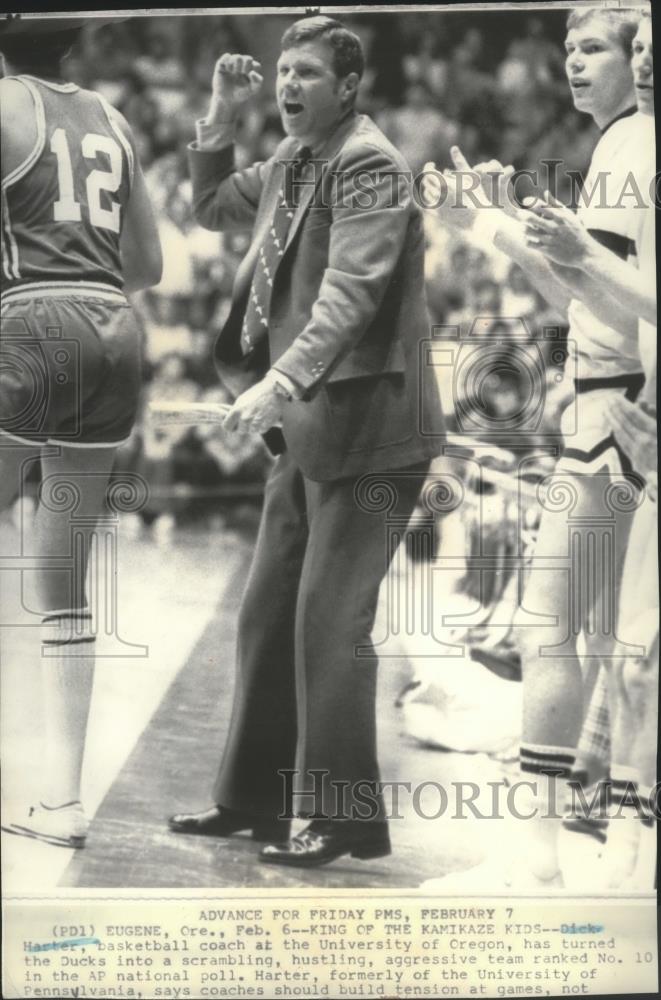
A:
(328, 498)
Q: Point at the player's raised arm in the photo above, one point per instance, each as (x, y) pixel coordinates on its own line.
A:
(508, 234)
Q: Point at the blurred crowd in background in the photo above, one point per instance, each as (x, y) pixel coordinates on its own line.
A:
(493, 83)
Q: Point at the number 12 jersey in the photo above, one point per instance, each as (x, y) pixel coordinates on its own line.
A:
(62, 208)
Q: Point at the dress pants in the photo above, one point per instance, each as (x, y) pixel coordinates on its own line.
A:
(304, 701)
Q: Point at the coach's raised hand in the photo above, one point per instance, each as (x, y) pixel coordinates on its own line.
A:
(235, 80)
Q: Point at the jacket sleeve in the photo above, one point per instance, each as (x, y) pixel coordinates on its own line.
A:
(367, 235)
(224, 198)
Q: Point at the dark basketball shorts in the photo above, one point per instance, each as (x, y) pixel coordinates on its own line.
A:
(69, 365)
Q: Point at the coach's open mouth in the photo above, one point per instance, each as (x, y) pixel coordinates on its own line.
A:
(293, 108)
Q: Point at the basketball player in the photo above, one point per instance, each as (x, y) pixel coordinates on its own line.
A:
(78, 234)
(607, 365)
(562, 238)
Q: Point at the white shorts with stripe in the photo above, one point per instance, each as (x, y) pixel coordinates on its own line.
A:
(589, 442)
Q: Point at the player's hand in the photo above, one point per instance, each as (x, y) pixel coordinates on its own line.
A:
(495, 180)
(451, 195)
(555, 231)
(257, 409)
(235, 80)
(635, 431)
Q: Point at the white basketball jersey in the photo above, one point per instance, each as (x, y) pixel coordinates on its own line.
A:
(646, 244)
(613, 206)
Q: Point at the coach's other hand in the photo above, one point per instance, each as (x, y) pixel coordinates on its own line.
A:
(235, 80)
(257, 409)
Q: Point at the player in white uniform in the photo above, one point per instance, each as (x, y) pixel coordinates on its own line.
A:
(558, 234)
(612, 211)
(558, 604)
(76, 233)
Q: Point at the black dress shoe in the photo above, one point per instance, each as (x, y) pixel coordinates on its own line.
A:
(221, 822)
(325, 841)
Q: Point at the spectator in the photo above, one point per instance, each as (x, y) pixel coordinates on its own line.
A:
(519, 298)
(419, 129)
(138, 103)
(160, 65)
(165, 334)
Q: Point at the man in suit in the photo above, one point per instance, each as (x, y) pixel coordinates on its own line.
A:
(324, 347)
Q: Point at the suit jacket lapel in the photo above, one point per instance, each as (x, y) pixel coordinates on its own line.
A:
(305, 192)
(304, 195)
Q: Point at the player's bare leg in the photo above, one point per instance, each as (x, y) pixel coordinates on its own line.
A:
(585, 828)
(525, 851)
(554, 699)
(68, 639)
(634, 684)
(644, 751)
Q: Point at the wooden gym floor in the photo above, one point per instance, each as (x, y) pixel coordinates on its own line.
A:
(157, 727)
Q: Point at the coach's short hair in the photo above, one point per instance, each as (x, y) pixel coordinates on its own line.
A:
(348, 56)
(624, 21)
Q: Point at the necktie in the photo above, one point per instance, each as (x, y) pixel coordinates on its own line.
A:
(255, 321)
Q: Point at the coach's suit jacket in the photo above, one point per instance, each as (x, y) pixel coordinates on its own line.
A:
(347, 313)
